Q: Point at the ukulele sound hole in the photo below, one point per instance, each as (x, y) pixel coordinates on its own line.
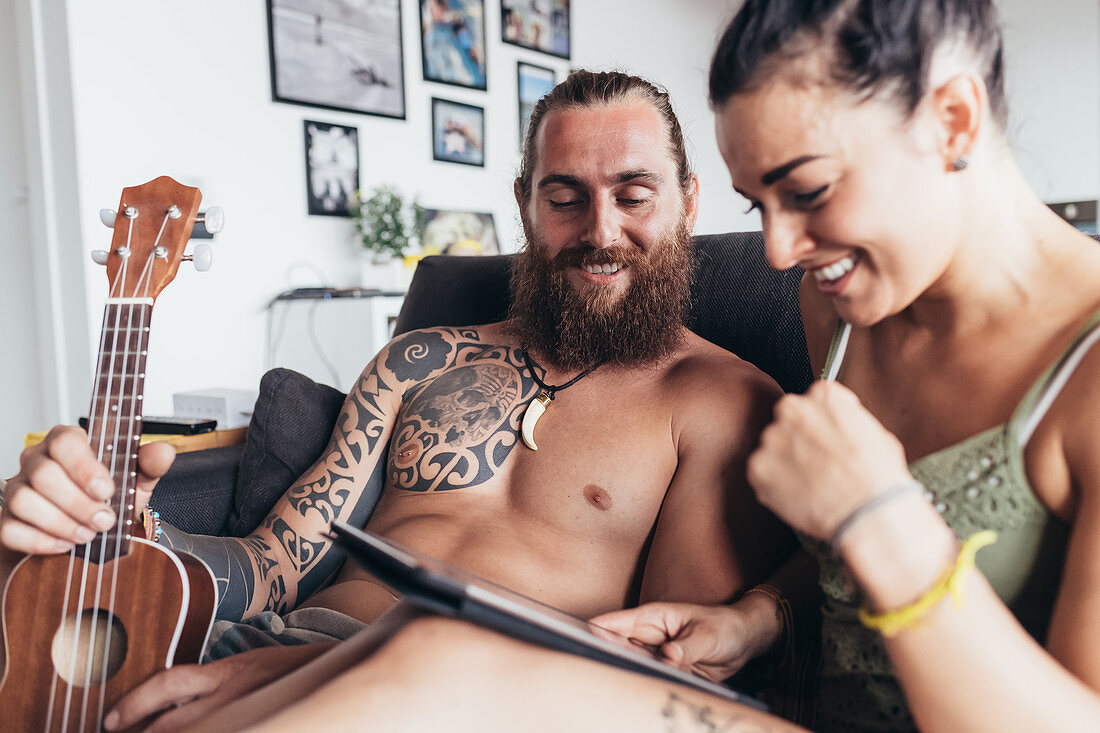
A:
(91, 654)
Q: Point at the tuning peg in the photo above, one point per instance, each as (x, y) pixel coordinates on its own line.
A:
(202, 257)
(99, 256)
(107, 216)
(213, 219)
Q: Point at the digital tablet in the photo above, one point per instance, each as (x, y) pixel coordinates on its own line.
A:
(436, 586)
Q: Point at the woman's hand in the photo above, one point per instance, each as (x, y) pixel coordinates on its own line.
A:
(712, 641)
(57, 500)
(822, 457)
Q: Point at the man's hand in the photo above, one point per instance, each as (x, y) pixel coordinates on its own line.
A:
(57, 499)
(190, 692)
(712, 641)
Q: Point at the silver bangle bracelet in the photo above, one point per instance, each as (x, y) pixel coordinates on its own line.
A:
(869, 506)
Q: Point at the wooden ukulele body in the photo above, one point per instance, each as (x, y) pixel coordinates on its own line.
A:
(161, 623)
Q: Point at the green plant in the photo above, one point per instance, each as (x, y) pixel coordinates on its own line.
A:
(384, 222)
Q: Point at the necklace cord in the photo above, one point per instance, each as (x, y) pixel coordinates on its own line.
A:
(551, 389)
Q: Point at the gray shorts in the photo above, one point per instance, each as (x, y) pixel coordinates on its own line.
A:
(304, 626)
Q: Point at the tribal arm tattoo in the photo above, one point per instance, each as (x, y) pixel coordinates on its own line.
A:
(289, 556)
(230, 561)
(456, 431)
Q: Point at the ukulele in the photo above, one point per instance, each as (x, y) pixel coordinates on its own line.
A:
(83, 629)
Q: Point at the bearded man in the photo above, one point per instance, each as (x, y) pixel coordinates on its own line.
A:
(631, 486)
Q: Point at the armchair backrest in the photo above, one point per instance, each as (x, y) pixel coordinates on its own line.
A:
(737, 301)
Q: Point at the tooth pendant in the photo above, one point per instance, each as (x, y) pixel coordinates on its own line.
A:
(531, 417)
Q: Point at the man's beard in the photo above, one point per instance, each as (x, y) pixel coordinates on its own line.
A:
(583, 328)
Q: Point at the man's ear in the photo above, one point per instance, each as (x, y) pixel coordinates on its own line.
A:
(517, 189)
(691, 203)
(958, 108)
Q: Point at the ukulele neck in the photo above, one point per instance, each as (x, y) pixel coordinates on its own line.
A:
(114, 420)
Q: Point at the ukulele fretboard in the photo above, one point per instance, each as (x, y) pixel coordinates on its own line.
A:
(114, 423)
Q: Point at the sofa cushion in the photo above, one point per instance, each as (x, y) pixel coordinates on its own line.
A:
(739, 302)
(196, 495)
(449, 290)
(290, 428)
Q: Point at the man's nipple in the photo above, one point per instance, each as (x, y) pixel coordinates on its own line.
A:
(407, 454)
(597, 497)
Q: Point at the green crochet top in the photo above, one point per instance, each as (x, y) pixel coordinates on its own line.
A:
(980, 483)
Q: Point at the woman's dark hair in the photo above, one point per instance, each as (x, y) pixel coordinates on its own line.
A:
(870, 47)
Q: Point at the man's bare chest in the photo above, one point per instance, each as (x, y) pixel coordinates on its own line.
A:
(604, 446)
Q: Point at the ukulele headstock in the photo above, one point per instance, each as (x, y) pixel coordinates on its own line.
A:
(151, 228)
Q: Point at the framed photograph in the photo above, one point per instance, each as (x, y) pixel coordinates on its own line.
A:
(540, 25)
(339, 54)
(531, 83)
(332, 167)
(458, 233)
(458, 132)
(452, 42)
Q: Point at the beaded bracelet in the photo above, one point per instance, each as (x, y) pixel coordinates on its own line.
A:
(150, 519)
(894, 622)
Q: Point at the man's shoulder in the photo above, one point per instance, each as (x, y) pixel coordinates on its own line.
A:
(718, 396)
(701, 366)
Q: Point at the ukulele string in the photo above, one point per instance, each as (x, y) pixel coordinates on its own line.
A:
(125, 505)
(113, 448)
(73, 552)
(123, 448)
(115, 291)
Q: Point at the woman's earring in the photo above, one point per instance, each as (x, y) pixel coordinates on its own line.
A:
(960, 163)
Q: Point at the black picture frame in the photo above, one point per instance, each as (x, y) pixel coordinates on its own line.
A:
(540, 80)
(351, 60)
(524, 24)
(458, 132)
(332, 167)
(453, 43)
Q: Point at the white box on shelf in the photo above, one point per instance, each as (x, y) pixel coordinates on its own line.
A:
(232, 408)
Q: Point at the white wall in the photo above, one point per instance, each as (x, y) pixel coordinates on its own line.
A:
(44, 312)
(1052, 68)
(183, 89)
(20, 364)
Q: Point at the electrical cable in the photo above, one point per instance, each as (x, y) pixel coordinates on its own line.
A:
(317, 344)
(273, 340)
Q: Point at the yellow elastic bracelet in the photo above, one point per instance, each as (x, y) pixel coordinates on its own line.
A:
(892, 623)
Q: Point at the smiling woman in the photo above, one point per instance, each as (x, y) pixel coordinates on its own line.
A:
(870, 135)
